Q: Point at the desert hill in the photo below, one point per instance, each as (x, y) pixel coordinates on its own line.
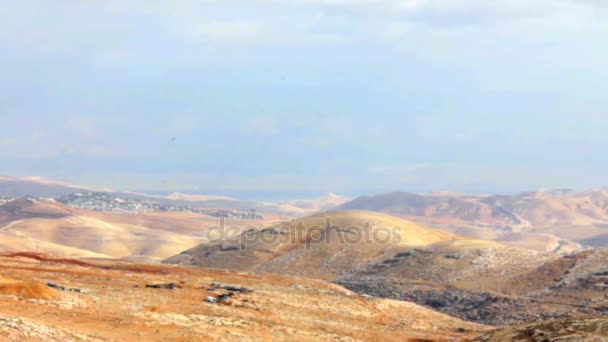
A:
(48, 226)
(323, 248)
(529, 209)
(572, 329)
(454, 261)
(542, 242)
(414, 253)
(38, 187)
(561, 287)
(541, 208)
(482, 281)
(119, 300)
(320, 246)
(569, 216)
(107, 300)
(24, 208)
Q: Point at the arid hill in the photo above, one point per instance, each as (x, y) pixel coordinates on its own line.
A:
(476, 280)
(50, 227)
(566, 216)
(530, 209)
(454, 261)
(563, 287)
(39, 187)
(320, 246)
(330, 246)
(541, 242)
(102, 300)
(593, 329)
(23, 209)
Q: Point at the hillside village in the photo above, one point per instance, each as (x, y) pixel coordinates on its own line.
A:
(108, 202)
(115, 203)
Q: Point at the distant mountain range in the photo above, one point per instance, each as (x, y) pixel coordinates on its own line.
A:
(529, 209)
(552, 218)
(559, 221)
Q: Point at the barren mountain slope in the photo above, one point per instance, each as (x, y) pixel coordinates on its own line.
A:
(560, 287)
(530, 209)
(579, 217)
(541, 242)
(47, 226)
(591, 329)
(454, 261)
(320, 246)
(22, 209)
(113, 303)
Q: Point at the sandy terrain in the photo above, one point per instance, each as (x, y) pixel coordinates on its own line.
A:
(50, 227)
(104, 300)
(309, 247)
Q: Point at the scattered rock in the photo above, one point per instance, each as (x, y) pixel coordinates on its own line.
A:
(222, 298)
(231, 288)
(168, 286)
(573, 329)
(212, 300)
(63, 288)
(453, 256)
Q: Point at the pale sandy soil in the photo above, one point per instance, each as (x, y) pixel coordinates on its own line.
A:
(117, 306)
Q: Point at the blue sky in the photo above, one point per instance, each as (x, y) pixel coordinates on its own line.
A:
(315, 95)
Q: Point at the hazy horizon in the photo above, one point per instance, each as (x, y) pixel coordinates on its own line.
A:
(275, 195)
(309, 96)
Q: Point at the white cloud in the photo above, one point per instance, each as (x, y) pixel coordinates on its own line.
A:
(117, 27)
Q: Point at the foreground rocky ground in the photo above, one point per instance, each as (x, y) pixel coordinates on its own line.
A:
(581, 329)
(571, 286)
(47, 299)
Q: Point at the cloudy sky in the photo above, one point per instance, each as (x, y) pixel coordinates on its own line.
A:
(316, 95)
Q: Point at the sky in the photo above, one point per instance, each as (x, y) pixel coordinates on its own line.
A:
(306, 95)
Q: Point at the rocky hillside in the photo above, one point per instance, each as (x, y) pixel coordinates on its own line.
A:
(107, 300)
(481, 281)
(573, 329)
(321, 246)
(559, 288)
